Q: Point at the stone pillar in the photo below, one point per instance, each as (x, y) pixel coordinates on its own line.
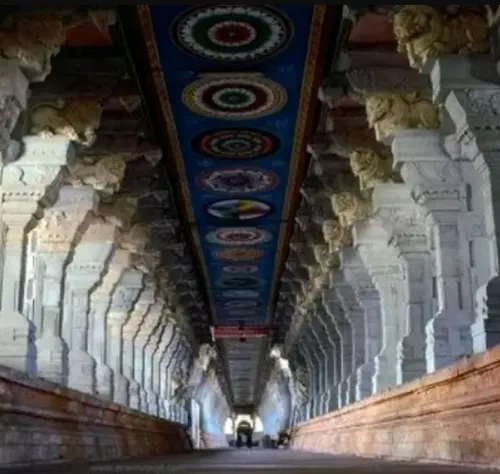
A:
(166, 338)
(319, 338)
(331, 340)
(166, 372)
(100, 301)
(163, 362)
(468, 87)
(306, 354)
(129, 333)
(155, 331)
(28, 186)
(313, 360)
(368, 297)
(83, 274)
(388, 273)
(404, 222)
(122, 302)
(436, 184)
(333, 307)
(58, 233)
(354, 316)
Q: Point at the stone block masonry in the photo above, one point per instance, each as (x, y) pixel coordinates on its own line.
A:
(449, 416)
(42, 422)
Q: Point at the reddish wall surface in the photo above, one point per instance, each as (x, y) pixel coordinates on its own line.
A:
(41, 422)
(451, 416)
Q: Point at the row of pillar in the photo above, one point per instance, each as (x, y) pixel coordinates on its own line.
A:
(418, 288)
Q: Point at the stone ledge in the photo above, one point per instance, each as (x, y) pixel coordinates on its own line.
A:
(448, 416)
(43, 422)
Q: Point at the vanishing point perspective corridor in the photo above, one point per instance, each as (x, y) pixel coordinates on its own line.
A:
(249, 238)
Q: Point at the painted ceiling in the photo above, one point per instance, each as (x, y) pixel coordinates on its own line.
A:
(236, 89)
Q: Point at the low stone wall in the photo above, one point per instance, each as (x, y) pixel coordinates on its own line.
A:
(42, 422)
(213, 440)
(450, 416)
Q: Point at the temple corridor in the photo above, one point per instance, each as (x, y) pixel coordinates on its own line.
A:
(250, 226)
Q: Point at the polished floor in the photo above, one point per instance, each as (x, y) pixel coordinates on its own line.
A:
(250, 461)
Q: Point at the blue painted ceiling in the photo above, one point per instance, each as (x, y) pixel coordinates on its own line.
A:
(233, 91)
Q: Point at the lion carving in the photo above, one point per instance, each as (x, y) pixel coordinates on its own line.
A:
(77, 120)
(349, 208)
(33, 41)
(388, 112)
(424, 32)
(105, 176)
(370, 167)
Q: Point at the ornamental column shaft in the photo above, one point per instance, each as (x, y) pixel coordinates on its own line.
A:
(84, 273)
(369, 300)
(122, 302)
(57, 235)
(28, 186)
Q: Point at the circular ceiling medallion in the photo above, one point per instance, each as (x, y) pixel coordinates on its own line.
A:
(234, 96)
(239, 209)
(234, 33)
(239, 254)
(236, 144)
(240, 269)
(239, 236)
(240, 294)
(240, 282)
(241, 304)
(237, 180)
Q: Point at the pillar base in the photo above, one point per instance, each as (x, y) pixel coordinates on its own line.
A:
(143, 400)
(364, 382)
(384, 376)
(411, 359)
(134, 401)
(485, 335)
(448, 340)
(52, 359)
(104, 381)
(152, 406)
(81, 375)
(120, 389)
(17, 347)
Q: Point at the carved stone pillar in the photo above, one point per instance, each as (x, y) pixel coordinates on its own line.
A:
(166, 365)
(123, 300)
(436, 184)
(368, 297)
(308, 356)
(153, 328)
(57, 235)
(100, 302)
(355, 320)
(334, 308)
(28, 186)
(330, 341)
(167, 336)
(319, 339)
(130, 331)
(469, 88)
(388, 273)
(404, 222)
(86, 270)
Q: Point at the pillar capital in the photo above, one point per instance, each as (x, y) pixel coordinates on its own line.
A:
(350, 207)
(58, 228)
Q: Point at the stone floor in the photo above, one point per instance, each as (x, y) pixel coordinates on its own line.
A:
(250, 461)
